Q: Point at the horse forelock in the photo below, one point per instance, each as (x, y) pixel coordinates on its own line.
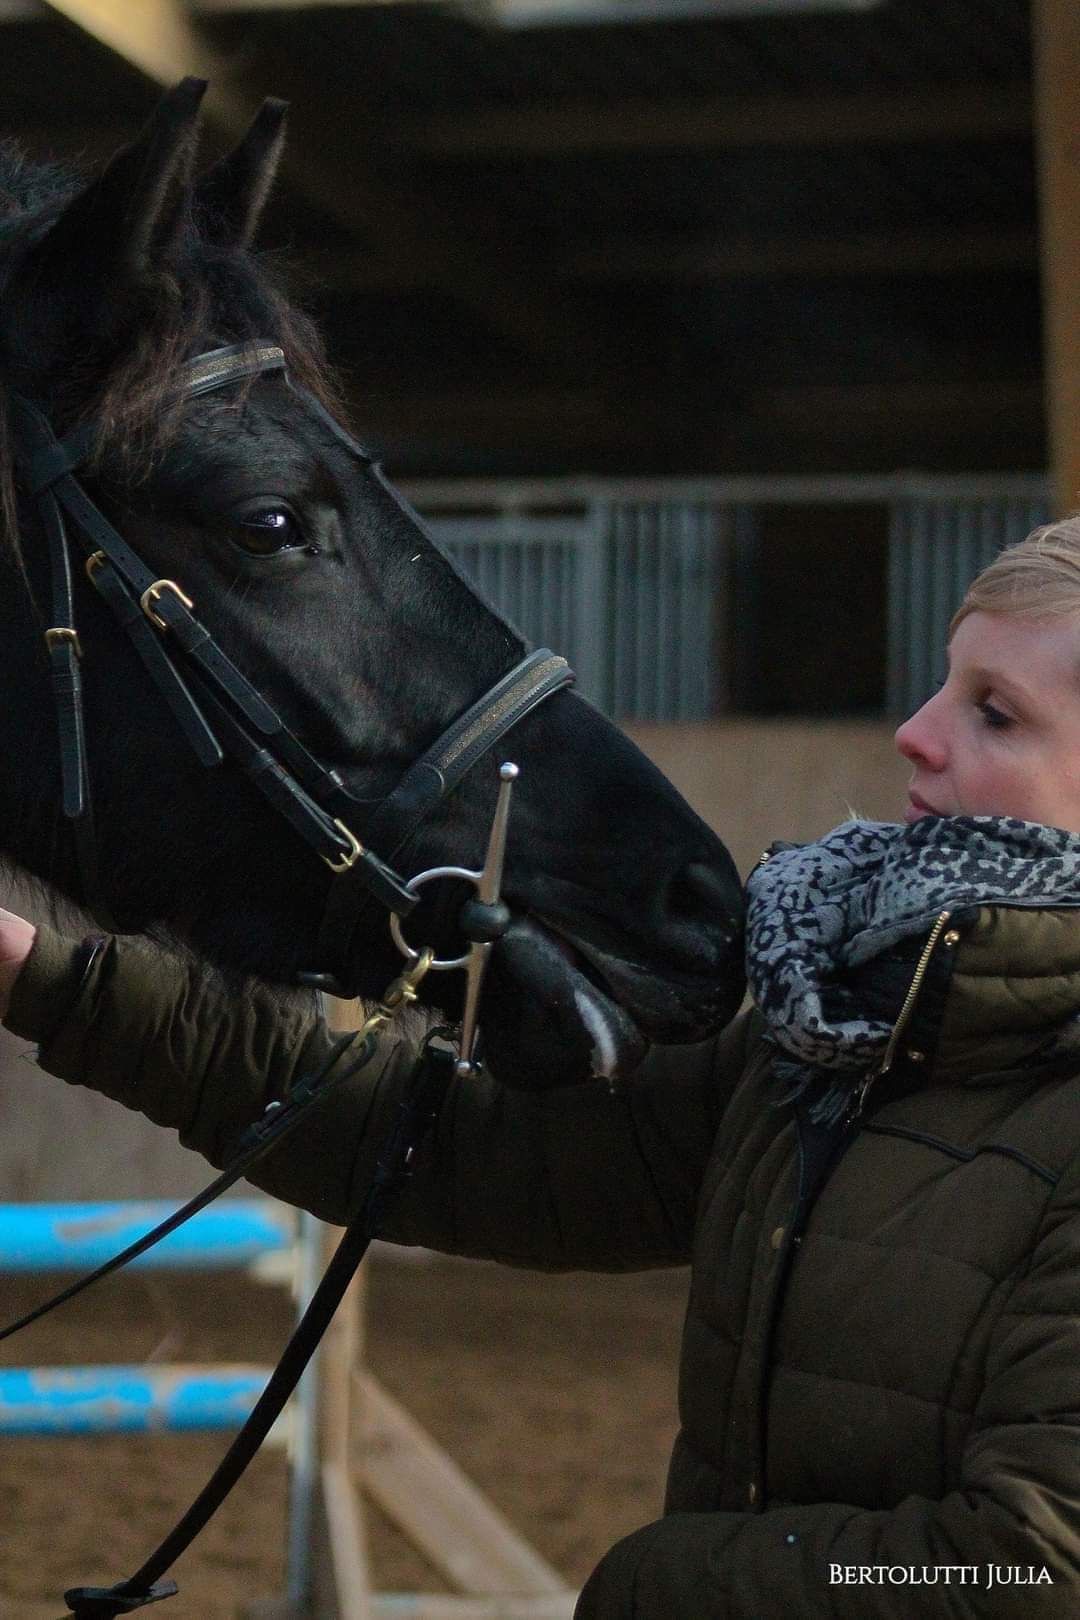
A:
(203, 296)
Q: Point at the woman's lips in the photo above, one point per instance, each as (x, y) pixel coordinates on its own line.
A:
(917, 808)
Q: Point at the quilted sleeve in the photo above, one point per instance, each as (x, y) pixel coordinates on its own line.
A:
(577, 1176)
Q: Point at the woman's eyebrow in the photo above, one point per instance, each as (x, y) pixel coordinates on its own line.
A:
(1002, 683)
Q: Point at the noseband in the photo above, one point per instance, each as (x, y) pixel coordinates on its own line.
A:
(218, 710)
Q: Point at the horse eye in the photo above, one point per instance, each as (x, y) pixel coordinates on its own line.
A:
(269, 531)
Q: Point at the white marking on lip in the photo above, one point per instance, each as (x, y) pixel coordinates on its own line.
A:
(604, 1054)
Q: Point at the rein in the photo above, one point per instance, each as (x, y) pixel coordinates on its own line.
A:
(223, 715)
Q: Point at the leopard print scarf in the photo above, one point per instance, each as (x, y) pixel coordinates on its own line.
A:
(815, 911)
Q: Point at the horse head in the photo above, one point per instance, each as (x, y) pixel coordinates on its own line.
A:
(328, 597)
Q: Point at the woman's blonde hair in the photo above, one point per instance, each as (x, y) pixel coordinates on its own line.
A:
(1039, 576)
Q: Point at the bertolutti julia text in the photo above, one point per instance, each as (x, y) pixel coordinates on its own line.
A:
(939, 1575)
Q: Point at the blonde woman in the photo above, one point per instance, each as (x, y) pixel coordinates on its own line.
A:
(875, 1172)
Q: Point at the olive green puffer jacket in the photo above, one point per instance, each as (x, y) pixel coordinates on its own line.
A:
(880, 1383)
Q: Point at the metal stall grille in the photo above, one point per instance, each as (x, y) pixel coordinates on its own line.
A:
(630, 591)
(632, 580)
(937, 545)
(664, 614)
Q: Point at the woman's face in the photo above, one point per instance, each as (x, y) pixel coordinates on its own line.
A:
(1002, 736)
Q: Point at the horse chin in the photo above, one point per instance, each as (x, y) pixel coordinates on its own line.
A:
(546, 1019)
(559, 1009)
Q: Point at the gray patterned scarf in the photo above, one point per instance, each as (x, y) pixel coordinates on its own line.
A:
(816, 911)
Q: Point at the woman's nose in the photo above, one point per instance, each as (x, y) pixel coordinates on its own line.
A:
(921, 739)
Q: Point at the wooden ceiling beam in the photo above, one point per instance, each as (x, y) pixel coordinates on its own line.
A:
(710, 257)
(554, 418)
(345, 167)
(294, 5)
(32, 10)
(711, 123)
(286, 5)
(157, 38)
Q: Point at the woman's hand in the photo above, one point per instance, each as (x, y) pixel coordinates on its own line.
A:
(16, 938)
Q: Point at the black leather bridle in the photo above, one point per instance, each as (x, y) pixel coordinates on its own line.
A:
(223, 716)
(216, 707)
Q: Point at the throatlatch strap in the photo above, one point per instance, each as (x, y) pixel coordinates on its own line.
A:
(65, 660)
(64, 657)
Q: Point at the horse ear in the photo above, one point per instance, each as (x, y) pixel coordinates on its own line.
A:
(231, 196)
(78, 275)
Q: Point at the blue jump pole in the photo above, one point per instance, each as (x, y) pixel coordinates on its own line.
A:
(130, 1400)
(126, 1400)
(74, 1237)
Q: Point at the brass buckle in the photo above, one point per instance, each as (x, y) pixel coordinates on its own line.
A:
(152, 594)
(96, 560)
(57, 636)
(351, 855)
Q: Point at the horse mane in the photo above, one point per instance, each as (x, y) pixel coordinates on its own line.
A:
(208, 295)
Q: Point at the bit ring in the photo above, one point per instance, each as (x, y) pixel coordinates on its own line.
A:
(438, 965)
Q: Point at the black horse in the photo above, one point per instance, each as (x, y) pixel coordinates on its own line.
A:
(327, 593)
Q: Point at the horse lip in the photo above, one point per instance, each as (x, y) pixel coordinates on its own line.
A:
(578, 950)
(610, 963)
(664, 1007)
(580, 956)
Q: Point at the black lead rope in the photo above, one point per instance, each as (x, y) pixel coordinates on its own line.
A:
(418, 1108)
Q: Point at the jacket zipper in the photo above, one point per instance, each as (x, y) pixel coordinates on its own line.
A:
(858, 1099)
(803, 1194)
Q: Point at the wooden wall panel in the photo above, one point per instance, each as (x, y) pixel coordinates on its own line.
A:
(756, 780)
(1056, 43)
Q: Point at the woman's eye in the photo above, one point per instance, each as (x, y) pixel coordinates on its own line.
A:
(994, 717)
(269, 531)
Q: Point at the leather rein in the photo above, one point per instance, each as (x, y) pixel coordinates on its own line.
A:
(223, 715)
